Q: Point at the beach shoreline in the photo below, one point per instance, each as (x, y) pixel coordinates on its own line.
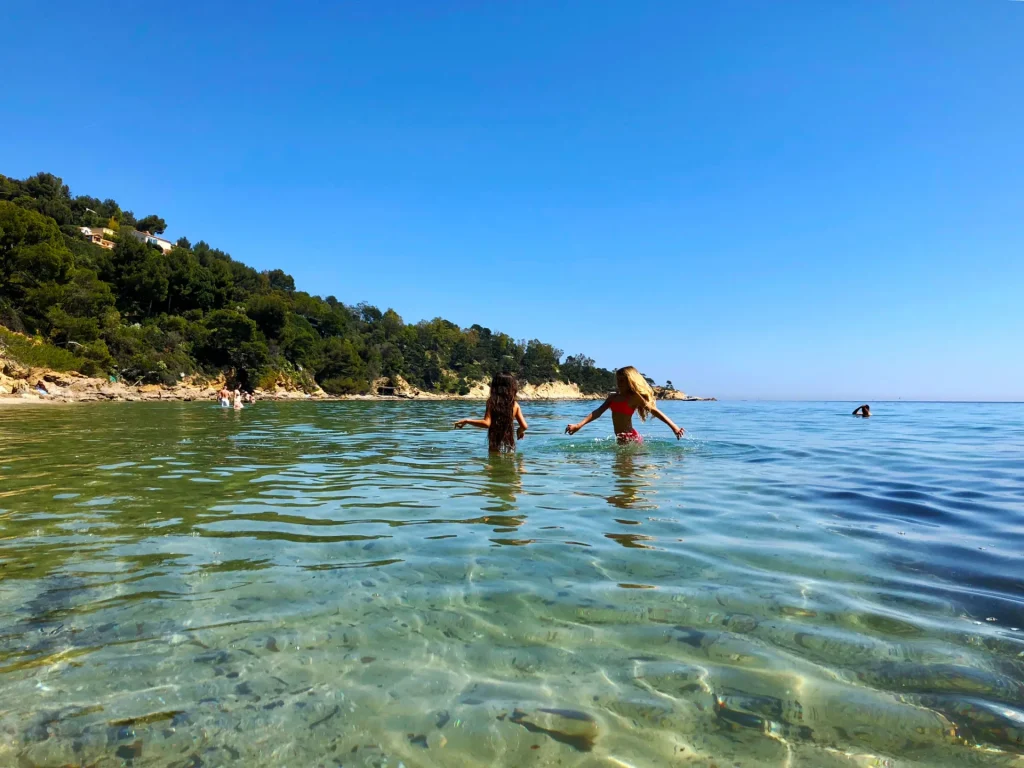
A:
(67, 390)
(172, 395)
(21, 385)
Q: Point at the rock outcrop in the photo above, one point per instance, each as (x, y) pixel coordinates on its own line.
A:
(18, 382)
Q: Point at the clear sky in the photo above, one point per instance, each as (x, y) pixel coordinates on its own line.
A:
(801, 199)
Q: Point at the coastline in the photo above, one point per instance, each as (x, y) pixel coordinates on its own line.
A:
(145, 394)
(20, 385)
(40, 387)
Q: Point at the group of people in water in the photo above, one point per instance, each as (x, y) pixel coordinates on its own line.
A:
(505, 423)
(235, 398)
(504, 420)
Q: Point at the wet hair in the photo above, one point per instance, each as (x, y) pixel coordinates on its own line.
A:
(630, 382)
(501, 435)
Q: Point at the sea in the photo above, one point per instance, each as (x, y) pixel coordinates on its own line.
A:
(358, 584)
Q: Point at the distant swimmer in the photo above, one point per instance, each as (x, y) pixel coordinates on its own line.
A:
(225, 397)
(863, 411)
(237, 400)
(634, 394)
(501, 417)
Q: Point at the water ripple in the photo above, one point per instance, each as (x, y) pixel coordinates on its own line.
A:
(355, 583)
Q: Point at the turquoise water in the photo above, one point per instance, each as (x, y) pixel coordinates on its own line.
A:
(355, 584)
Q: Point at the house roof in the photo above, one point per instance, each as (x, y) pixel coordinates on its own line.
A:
(155, 237)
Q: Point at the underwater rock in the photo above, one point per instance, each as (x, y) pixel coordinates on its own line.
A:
(131, 751)
(941, 679)
(694, 638)
(741, 622)
(333, 713)
(979, 721)
(567, 726)
(212, 657)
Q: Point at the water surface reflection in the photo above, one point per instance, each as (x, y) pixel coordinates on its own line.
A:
(303, 584)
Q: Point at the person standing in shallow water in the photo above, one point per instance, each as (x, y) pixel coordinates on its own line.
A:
(501, 416)
(634, 394)
(864, 411)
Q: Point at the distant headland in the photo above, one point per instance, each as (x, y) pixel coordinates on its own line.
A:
(96, 305)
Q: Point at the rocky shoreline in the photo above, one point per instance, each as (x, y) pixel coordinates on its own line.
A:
(19, 385)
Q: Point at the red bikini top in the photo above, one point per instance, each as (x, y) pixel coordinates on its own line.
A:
(618, 406)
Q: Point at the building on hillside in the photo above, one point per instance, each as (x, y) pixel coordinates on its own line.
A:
(99, 236)
(107, 232)
(159, 242)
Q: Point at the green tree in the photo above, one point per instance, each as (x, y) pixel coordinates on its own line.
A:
(48, 195)
(300, 343)
(142, 275)
(152, 224)
(232, 340)
(280, 281)
(342, 370)
(67, 330)
(190, 284)
(540, 362)
(32, 253)
(580, 370)
(270, 313)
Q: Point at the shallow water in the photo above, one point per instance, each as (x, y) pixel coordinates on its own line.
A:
(353, 584)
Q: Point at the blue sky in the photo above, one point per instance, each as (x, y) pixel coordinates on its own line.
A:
(802, 199)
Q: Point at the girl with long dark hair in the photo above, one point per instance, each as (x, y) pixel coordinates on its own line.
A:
(501, 417)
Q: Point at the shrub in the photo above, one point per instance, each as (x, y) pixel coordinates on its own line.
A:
(268, 379)
(9, 317)
(38, 354)
(98, 361)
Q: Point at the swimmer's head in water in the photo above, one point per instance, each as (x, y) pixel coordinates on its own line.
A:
(501, 434)
(630, 382)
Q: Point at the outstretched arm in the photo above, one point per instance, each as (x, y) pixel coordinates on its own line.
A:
(572, 429)
(523, 426)
(679, 431)
(483, 423)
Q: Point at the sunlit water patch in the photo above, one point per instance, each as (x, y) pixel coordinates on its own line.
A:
(354, 584)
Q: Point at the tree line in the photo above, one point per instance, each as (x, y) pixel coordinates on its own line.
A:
(152, 316)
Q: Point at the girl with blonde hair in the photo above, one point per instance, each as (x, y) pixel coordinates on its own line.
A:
(634, 394)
